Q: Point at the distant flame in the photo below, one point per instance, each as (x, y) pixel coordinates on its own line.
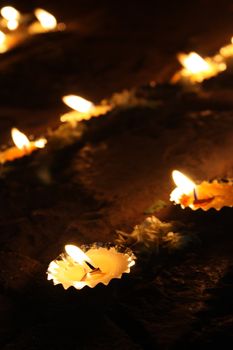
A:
(46, 19)
(10, 13)
(227, 51)
(183, 182)
(20, 140)
(193, 62)
(196, 68)
(185, 186)
(12, 24)
(78, 103)
(40, 143)
(76, 254)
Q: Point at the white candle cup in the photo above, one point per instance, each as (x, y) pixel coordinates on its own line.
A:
(110, 262)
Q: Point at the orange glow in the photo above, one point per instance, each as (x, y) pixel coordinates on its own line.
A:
(196, 68)
(193, 62)
(185, 186)
(40, 143)
(3, 46)
(183, 182)
(227, 51)
(20, 140)
(78, 103)
(12, 24)
(46, 19)
(10, 13)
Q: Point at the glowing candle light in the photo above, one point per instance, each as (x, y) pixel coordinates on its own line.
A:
(23, 146)
(205, 195)
(96, 265)
(12, 24)
(46, 19)
(11, 17)
(10, 13)
(196, 68)
(227, 51)
(82, 109)
(45, 22)
(3, 44)
(78, 103)
(10, 21)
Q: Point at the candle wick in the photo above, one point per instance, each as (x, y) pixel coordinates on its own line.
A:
(195, 195)
(93, 268)
(90, 265)
(93, 271)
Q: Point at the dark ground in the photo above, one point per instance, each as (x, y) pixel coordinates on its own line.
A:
(105, 182)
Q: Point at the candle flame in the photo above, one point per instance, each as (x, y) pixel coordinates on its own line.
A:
(183, 182)
(76, 254)
(193, 62)
(40, 143)
(78, 103)
(196, 68)
(20, 140)
(185, 186)
(10, 13)
(46, 19)
(12, 24)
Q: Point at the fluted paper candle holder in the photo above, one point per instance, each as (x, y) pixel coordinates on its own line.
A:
(90, 265)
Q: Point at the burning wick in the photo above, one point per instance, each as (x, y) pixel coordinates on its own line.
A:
(80, 257)
(195, 194)
(185, 193)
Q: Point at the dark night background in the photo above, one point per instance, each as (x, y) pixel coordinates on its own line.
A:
(109, 177)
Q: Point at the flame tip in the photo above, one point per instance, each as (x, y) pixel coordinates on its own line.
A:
(76, 253)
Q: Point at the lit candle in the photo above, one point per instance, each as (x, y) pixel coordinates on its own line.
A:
(22, 147)
(96, 265)
(196, 68)
(11, 17)
(82, 109)
(46, 22)
(13, 28)
(206, 195)
(10, 40)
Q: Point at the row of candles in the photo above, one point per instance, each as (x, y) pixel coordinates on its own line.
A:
(99, 264)
(96, 264)
(215, 194)
(16, 27)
